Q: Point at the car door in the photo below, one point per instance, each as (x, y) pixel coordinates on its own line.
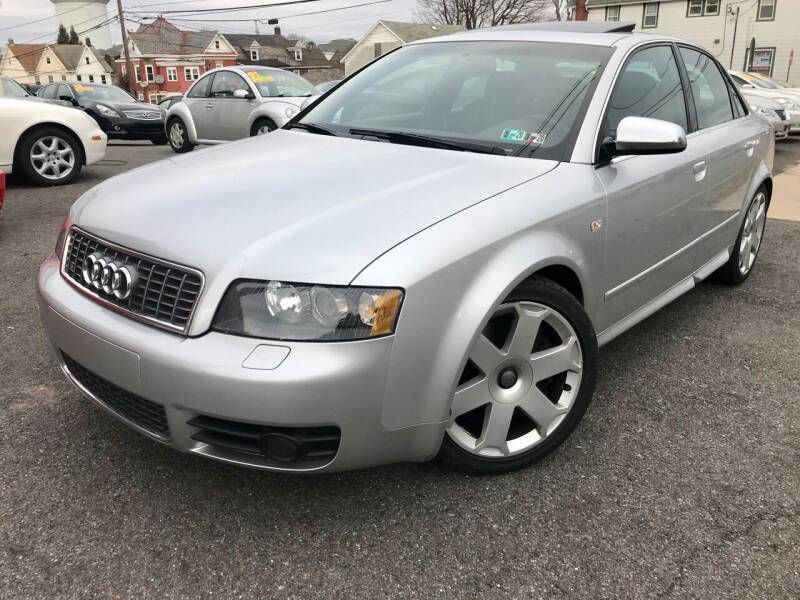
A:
(650, 198)
(230, 117)
(200, 106)
(730, 137)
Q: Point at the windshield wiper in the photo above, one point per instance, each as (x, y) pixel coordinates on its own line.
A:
(311, 128)
(415, 139)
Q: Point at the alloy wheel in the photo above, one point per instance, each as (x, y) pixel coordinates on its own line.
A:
(52, 158)
(176, 134)
(520, 382)
(264, 129)
(752, 233)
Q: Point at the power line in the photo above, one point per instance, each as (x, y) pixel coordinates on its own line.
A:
(228, 8)
(47, 18)
(263, 21)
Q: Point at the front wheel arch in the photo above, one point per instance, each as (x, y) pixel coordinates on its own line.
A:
(45, 125)
(259, 122)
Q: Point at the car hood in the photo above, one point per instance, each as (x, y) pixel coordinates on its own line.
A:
(292, 205)
(123, 106)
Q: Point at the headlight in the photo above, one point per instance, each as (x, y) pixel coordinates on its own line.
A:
(106, 111)
(291, 311)
(291, 111)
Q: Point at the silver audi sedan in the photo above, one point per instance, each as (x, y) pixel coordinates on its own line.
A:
(422, 263)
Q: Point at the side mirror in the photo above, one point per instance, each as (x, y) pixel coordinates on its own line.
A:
(643, 135)
(243, 94)
(69, 99)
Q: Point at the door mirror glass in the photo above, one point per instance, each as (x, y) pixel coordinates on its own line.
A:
(643, 135)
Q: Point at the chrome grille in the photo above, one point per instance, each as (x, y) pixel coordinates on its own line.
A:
(781, 113)
(164, 294)
(142, 114)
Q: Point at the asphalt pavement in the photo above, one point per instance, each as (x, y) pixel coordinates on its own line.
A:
(682, 481)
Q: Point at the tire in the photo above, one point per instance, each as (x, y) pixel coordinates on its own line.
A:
(262, 127)
(50, 156)
(748, 242)
(178, 137)
(160, 140)
(543, 411)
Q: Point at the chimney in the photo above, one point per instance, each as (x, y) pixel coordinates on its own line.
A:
(277, 30)
(580, 10)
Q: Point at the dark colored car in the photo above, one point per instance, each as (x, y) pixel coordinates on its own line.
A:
(120, 115)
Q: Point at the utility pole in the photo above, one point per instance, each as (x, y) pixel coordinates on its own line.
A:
(255, 22)
(128, 66)
(733, 44)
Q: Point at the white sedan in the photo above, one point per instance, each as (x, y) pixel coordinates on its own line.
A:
(47, 143)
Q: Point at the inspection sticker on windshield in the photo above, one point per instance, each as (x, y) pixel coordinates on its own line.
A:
(258, 77)
(523, 137)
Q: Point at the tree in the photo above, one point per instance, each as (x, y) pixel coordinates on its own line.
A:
(474, 14)
(63, 36)
(73, 37)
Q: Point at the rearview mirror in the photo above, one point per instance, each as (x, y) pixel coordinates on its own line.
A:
(643, 135)
(243, 94)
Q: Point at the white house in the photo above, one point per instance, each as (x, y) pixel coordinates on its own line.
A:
(72, 63)
(388, 35)
(724, 27)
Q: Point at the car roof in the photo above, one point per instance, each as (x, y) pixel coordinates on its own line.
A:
(245, 68)
(571, 32)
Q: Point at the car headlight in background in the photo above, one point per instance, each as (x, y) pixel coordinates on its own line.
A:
(291, 111)
(292, 311)
(106, 111)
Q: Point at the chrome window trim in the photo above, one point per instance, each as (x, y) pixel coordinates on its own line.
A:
(134, 254)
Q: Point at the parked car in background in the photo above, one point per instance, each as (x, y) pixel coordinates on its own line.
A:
(324, 87)
(398, 274)
(11, 89)
(120, 115)
(756, 86)
(32, 88)
(170, 100)
(771, 111)
(235, 102)
(47, 143)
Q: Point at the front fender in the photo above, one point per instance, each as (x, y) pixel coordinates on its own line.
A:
(457, 271)
(182, 110)
(275, 111)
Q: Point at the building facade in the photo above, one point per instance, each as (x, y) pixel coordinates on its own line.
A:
(726, 28)
(42, 63)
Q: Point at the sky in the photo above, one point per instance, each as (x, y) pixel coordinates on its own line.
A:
(16, 15)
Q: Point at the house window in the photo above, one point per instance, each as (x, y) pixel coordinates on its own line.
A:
(298, 54)
(102, 78)
(123, 70)
(216, 44)
(612, 13)
(151, 76)
(87, 60)
(650, 15)
(63, 78)
(47, 60)
(191, 73)
(137, 71)
(91, 78)
(172, 74)
(141, 97)
(153, 98)
(79, 78)
(766, 10)
(36, 80)
(702, 8)
(254, 55)
(762, 61)
(49, 79)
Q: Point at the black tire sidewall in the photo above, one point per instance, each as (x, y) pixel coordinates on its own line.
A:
(24, 154)
(542, 291)
(729, 273)
(262, 121)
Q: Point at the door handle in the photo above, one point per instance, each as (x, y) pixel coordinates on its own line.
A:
(699, 170)
(209, 106)
(750, 146)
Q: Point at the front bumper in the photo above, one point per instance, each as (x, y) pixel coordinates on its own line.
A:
(132, 129)
(309, 385)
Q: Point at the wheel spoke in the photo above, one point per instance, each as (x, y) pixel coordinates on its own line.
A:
(485, 354)
(555, 360)
(469, 397)
(541, 409)
(529, 320)
(495, 428)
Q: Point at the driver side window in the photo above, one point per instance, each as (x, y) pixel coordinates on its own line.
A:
(650, 86)
(225, 83)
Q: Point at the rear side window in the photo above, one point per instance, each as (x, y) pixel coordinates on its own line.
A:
(709, 89)
(202, 87)
(50, 92)
(650, 86)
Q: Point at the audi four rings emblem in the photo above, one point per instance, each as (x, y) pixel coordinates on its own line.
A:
(103, 274)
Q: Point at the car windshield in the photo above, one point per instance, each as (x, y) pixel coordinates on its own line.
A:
(280, 84)
(516, 97)
(102, 93)
(11, 89)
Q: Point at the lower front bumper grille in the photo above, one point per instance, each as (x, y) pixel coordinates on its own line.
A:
(292, 446)
(144, 414)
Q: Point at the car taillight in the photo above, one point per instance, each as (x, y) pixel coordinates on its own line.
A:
(61, 240)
